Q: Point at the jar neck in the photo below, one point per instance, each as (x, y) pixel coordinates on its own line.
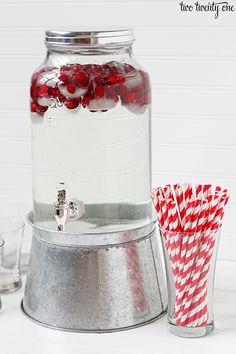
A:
(61, 55)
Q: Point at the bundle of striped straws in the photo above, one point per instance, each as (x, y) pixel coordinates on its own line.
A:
(190, 218)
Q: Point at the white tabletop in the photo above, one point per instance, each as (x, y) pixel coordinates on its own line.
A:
(19, 335)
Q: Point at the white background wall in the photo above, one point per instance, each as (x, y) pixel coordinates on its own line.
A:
(192, 62)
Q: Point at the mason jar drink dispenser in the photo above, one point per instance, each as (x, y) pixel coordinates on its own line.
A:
(94, 259)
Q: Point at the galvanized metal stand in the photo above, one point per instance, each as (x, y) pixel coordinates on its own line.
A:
(94, 283)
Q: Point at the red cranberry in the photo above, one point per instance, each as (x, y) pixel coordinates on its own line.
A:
(77, 67)
(72, 103)
(86, 100)
(53, 92)
(33, 107)
(99, 91)
(114, 79)
(96, 71)
(90, 89)
(43, 90)
(71, 88)
(116, 98)
(121, 90)
(86, 67)
(42, 109)
(105, 67)
(34, 92)
(142, 93)
(99, 80)
(61, 98)
(128, 98)
(128, 68)
(138, 91)
(66, 68)
(110, 91)
(82, 78)
(64, 78)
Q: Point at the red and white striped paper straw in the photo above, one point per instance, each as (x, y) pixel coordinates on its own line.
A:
(190, 219)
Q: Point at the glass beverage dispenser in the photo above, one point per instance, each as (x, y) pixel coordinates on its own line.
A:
(90, 113)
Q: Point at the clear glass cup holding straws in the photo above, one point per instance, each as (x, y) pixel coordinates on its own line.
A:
(190, 260)
(11, 231)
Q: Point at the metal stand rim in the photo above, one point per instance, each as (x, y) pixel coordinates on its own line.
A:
(91, 330)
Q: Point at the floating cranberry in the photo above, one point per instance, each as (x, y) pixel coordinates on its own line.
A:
(82, 78)
(34, 91)
(99, 91)
(138, 91)
(42, 109)
(86, 67)
(105, 66)
(43, 90)
(128, 68)
(99, 80)
(96, 71)
(77, 67)
(144, 99)
(128, 98)
(72, 103)
(66, 68)
(121, 90)
(33, 107)
(86, 100)
(71, 88)
(64, 78)
(37, 108)
(115, 98)
(110, 91)
(115, 79)
(90, 89)
(53, 92)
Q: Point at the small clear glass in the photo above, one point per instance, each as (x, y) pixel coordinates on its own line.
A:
(11, 231)
(190, 260)
(1, 253)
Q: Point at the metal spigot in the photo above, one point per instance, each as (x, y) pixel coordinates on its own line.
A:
(61, 207)
(63, 210)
